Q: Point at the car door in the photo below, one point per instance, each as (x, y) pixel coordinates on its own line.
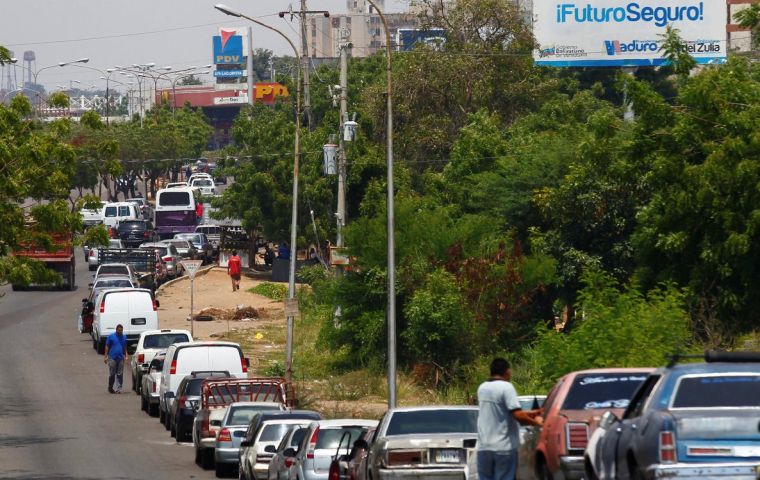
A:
(550, 438)
(631, 428)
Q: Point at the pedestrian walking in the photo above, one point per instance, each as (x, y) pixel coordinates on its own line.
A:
(233, 269)
(199, 212)
(116, 355)
(498, 424)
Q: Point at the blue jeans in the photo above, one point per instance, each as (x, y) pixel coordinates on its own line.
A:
(497, 465)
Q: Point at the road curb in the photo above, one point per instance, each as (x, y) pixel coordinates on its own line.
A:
(198, 273)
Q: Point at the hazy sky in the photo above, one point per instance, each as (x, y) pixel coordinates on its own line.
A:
(113, 32)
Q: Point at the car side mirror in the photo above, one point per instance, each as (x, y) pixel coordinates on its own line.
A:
(246, 443)
(608, 418)
(270, 449)
(215, 423)
(289, 452)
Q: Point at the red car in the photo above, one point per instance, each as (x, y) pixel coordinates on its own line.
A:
(572, 411)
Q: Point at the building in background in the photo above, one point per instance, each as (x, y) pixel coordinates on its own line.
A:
(739, 39)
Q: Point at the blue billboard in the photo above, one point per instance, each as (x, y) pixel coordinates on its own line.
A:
(406, 38)
(229, 51)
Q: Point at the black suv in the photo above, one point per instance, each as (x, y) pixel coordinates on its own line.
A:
(179, 420)
(135, 232)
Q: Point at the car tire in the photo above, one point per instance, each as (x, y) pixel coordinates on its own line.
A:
(207, 459)
(173, 430)
(589, 470)
(161, 416)
(101, 347)
(143, 404)
(167, 421)
(221, 470)
(182, 434)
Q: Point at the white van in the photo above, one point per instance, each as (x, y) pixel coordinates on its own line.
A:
(133, 308)
(115, 212)
(182, 359)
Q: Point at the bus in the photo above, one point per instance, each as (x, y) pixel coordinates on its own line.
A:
(175, 211)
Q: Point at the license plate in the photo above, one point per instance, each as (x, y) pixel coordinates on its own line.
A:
(138, 321)
(447, 456)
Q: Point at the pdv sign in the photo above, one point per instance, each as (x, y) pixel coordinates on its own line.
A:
(228, 48)
(592, 33)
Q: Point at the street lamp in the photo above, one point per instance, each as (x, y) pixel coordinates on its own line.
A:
(179, 77)
(391, 239)
(106, 75)
(294, 215)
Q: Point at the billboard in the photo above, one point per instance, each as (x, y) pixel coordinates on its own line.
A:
(615, 33)
(228, 50)
(406, 38)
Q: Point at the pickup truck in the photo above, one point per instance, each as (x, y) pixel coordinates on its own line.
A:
(91, 216)
(145, 262)
(274, 393)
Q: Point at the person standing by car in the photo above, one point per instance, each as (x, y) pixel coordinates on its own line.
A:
(233, 269)
(498, 429)
(115, 356)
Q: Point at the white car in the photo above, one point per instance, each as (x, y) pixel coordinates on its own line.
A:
(149, 385)
(148, 345)
(92, 253)
(175, 184)
(204, 184)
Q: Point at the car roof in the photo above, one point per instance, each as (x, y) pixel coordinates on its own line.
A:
(346, 422)
(113, 276)
(610, 370)
(164, 330)
(421, 408)
(712, 367)
(255, 404)
(114, 264)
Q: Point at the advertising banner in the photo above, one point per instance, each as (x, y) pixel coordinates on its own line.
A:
(615, 33)
(229, 73)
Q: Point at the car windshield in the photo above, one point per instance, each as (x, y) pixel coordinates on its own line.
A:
(273, 432)
(113, 283)
(602, 390)
(190, 237)
(163, 340)
(433, 421)
(330, 438)
(732, 391)
(111, 269)
(202, 183)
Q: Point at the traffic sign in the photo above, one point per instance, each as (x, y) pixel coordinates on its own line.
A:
(291, 307)
(191, 266)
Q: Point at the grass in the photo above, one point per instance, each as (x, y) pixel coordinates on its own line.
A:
(275, 291)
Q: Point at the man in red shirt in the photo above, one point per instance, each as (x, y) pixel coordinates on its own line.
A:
(233, 269)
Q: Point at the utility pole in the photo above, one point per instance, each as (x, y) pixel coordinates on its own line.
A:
(344, 47)
(302, 14)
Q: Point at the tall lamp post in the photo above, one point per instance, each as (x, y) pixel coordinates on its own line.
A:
(294, 216)
(391, 229)
(59, 64)
(180, 77)
(106, 75)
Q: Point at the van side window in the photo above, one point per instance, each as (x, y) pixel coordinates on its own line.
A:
(124, 211)
(110, 211)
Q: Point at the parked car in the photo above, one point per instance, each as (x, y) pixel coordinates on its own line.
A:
(185, 358)
(319, 445)
(571, 414)
(200, 242)
(148, 345)
(133, 308)
(279, 464)
(102, 282)
(183, 410)
(145, 209)
(270, 393)
(686, 421)
(426, 441)
(233, 429)
(213, 234)
(185, 248)
(170, 256)
(149, 384)
(261, 436)
(92, 216)
(133, 233)
(93, 256)
(349, 454)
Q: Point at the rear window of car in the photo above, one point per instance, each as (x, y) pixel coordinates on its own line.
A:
(168, 198)
(124, 225)
(110, 211)
(330, 438)
(273, 432)
(433, 421)
(242, 415)
(602, 390)
(111, 269)
(113, 283)
(732, 391)
(164, 340)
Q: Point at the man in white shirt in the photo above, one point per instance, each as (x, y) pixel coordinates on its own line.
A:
(498, 424)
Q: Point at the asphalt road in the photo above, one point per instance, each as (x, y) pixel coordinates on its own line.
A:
(57, 421)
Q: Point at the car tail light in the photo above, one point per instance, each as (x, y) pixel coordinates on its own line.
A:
(140, 358)
(404, 457)
(154, 387)
(312, 443)
(577, 436)
(103, 305)
(173, 368)
(155, 305)
(244, 365)
(146, 234)
(667, 447)
(205, 428)
(168, 259)
(224, 435)
(92, 252)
